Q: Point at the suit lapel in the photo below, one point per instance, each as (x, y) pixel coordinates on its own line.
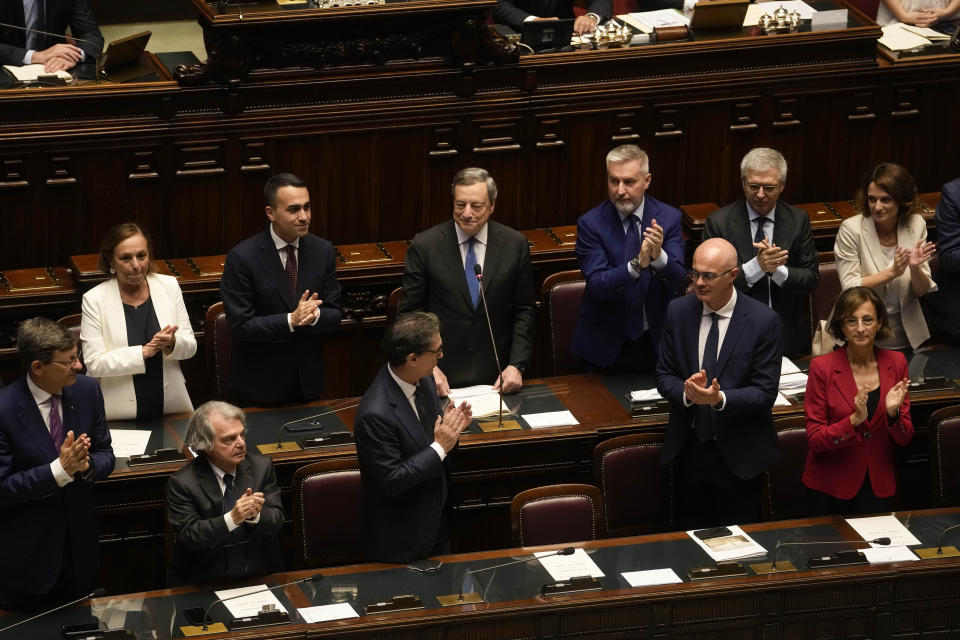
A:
(208, 482)
(28, 414)
(492, 256)
(783, 231)
(450, 250)
(843, 382)
(614, 232)
(868, 231)
(273, 268)
(161, 303)
(244, 477)
(70, 419)
(738, 321)
(116, 325)
(741, 236)
(404, 412)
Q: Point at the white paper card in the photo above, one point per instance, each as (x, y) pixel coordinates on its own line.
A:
(883, 527)
(129, 442)
(567, 567)
(483, 400)
(249, 605)
(735, 546)
(645, 395)
(651, 577)
(781, 401)
(787, 366)
(327, 612)
(550, 419)
(880, 555)
(824, 20)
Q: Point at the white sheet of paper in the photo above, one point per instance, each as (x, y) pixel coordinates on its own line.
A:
(129, 442)
(645, 395)
(733, 547)
(550, 419)
(468, 392)
(787, 366)
(483, 400)
(30, 72)
(896, 38)
(781, 401)
(572, 566)
(250, 605)
(793, 382)
(883, 527)
(754, 11)
(926, 32)
(327, 612)
(880, 555)
(651, 577)
(658, 18)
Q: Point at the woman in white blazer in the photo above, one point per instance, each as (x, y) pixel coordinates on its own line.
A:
(135, 330)
(885, 248)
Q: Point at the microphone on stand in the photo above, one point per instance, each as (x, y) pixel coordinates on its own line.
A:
(292, 446)
(486, 312)
(940, 552)
(96, 593)
(840, 558)
(260, 619)
(473, 598)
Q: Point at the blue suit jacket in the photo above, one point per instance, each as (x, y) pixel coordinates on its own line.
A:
(601, 322)
(267, 356)
(37, 514)
(943, 305)
(404, 480)
(55, 17)
(749, 373)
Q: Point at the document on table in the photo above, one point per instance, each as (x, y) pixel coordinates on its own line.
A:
(483, 400)
(248, 605)
(129, 442)
(754, 11)
(897, 37)
(32, 72)
(567, 567)
(881, 555)
(550, 419)
(781, 401)
(647, 21)
(645, 395)
(651, 577)
(327, 612)
(883, 527)
(735, 546)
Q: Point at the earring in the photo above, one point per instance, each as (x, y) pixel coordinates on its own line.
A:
(112, 270)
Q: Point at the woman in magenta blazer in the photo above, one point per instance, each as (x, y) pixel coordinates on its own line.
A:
(857, 407)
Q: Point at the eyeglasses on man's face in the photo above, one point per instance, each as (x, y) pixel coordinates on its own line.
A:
(74, 359)
(707, 276)
(754, 187)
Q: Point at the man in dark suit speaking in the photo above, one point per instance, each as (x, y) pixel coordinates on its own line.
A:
(719, 367)
(439, 277)
(630, 250)
(54, 443)
(779, 263)
(280, 293)
(225, 505)
(515, 12)
(403, 438)
(18, 47)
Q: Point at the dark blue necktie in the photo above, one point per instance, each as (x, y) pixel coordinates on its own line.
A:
(762, 285)
(31, 20)
(634, 299)
(704, 419)
(473, 285)
(236, 554)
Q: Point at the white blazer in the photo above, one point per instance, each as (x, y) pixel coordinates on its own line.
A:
(103, 334)
(858, 253)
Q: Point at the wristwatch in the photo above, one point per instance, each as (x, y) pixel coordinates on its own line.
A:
(635, 263)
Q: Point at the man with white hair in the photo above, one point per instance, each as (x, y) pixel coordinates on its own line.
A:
(225, 505)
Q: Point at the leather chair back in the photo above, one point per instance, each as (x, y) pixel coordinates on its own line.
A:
(327, 513)
(944, 434)
(72, 322)
(826, 293)
(784, 494)
(560, 298)
(556, 514)
(217, 346)
(623, 465)
(393, 305)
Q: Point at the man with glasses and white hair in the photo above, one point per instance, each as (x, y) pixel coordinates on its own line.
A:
(774, 243)
(225, 505)
(54, 443)
(719, 368)
(439, 277)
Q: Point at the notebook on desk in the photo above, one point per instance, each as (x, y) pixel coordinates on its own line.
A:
(123, 60)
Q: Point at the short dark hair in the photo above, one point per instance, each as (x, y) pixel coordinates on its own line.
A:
(199, 436)
(117, 234)
(38, 338)
(277, 182)
(848, 302)
(411, 333)
(896, 181)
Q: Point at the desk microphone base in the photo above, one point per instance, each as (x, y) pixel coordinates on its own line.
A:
(397, 603)
(457, 599)
(273, 447)
(722, 570)
(198, 630)
(573, 585)
(508, 425)
(262, 619)
(767, 568)
(931, 553)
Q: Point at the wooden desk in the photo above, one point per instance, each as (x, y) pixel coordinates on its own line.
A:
(882, 602)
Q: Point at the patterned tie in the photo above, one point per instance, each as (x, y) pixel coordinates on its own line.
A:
(292, 271)
(473, 285)
(56, 423)
(236, 554)
(763, 284)
(704, 421)
(425, 420)
(31, 20)
(634, 299)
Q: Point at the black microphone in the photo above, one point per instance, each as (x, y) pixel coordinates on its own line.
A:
(314, 578)
(311, 428)
(943, 534)
(96, 593)
(496, 357)
(566, 551)
(773, 556)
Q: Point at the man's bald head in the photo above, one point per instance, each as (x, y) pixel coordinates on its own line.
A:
(715, 267)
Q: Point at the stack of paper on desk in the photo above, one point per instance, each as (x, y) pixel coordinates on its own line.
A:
(483, 400)
(904, 37)
(30, 73)
(646, 21)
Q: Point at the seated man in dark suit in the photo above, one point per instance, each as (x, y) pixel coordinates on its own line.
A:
(225, 505)
(403, 439)
(630, 250)
(514, 13)
(54, 443)
(774, 242)
(439, 277)
(280, 294)
(18, 47)
(719, 367)
(943, 305)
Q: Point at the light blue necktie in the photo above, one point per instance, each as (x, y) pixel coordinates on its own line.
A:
(31, 20)
(473, 285)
